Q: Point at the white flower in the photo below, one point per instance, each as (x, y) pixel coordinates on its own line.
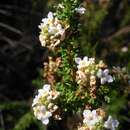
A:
(80, 10)
(41, 93)
(104, 76)
(111, 123)
(44, 91)
(42, 114)
(85, 62)
(50, 16)
(43, 105)
(47, 87)
(124, 49)
(45, 21)
(78, 60)
(91, 118)
(52, 31)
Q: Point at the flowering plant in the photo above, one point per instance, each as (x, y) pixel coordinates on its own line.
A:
(75, 86)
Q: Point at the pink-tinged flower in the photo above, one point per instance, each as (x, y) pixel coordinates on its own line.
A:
(104, 76)
(111, 123)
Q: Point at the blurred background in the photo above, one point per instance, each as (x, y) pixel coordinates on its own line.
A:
(21, 55)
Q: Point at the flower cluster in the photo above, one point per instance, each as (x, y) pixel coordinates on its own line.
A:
(91, 118)
(94, 119)
(52, 31)
(50, 68)
(43, 103)
(90, 74)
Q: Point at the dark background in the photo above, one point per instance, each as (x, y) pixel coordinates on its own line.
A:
(21, 58)
(20, 51)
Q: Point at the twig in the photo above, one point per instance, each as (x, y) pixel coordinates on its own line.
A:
(120, 32)
(9, 41)
(21, 10)
(12, 29)
(4, 12)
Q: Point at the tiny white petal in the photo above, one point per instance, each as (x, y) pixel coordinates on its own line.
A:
(106, 72)
(99, 73)
(77, 60)
(48, 114)
(55, 107)
(86, 113)
(85, 59)
(94, 113)
(45, 121)
(45, 21)
(50, 15)
(103, 80)
(109, 79)
(124, 49)
(47, 87)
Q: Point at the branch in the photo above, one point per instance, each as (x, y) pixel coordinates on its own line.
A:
(10, 28)
(120, 32)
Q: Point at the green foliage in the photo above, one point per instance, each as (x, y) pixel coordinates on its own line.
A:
(126, 19)
(25, 122)
(13, 105)
(104, 91)
(93, 21)
(117, 103)
(99, 126)
(67, 86)
(68, 12)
